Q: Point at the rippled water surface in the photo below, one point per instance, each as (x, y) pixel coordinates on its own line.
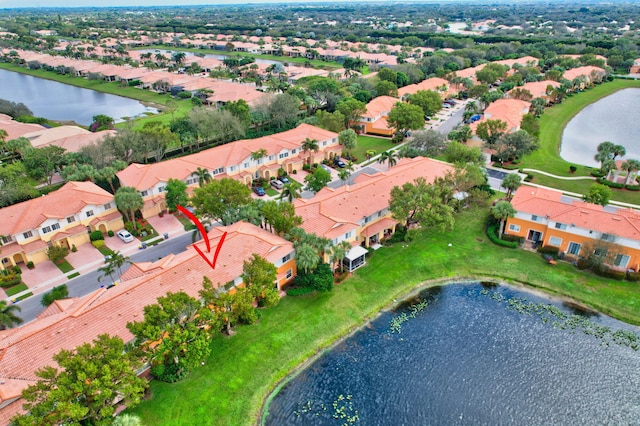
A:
(469, 358)
(615, 118)
(57, 101)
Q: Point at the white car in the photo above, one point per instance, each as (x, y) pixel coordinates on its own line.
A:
(125, 236)
(276, 184)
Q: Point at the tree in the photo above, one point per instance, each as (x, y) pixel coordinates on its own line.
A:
(428, 100)
(219, 196)
(460, 134)
(530, 125)
(458, 153)
(515, 145)
(43, 162)
(352, 110)
(425, 143)
(630, 166)
(352, 64)
(93, 377)
(511, 182)
(339, 252)
(14, 184)
(127, 420)
(8, 318)
(502, 211)
(259, 276)
(57, 254)
(348, 139)
(283, 110)
(281, 217)
(344, 175)
(386, 88)
(153, 141)
(490, 130)
(423, 204)
(101, 122)
(605, 152)
(405, 117)
(203, 175)
(521, 94)
(390, 157)
(241, 110)
(290, 191)
(178, 57)
(307, 258)
(318, 179)
(128, 201)
(491, 73)
(333, 122)
(256, 156)
(56, 293)
(310, 145)
(176, 194)
(598, 194)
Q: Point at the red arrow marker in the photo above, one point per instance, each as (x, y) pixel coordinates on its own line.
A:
(206, 239)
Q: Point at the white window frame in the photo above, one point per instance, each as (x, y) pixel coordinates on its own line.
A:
(89, 213)
(571, 243)
(555, 241)
(513, 227)
(619, 257)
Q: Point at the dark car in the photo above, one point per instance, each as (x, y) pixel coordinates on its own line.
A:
(284, 179)
(450, 102)
(338, 162)
(258, 190)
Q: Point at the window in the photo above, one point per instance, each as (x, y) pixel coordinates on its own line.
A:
(283, 155)
(107, 206)
(367, 219)
(191, 181)
(55, 226)
(144, 193)
(560, 225)
(6, 239)
(71, 219)
(272, 157)
(621, 260)
(514, 228)
(46, 229)
(160, 189)
(574, 248)
(245, 165)
(534, 218)
(232, 168)
(601, 252)
(89, 213)
(324, 143)
(555, 241)
(348, 235)
(289, 273)
(27, 234)
(286, 258)
(218, 170)
(608, 237)
(293, 151)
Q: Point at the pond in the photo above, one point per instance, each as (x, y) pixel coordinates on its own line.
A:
(475, 354)
(62, 102)
(613, 118)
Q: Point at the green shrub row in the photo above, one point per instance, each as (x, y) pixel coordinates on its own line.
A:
(597, 173)
(96, 235)
(300, 291)
(549, 250)
(611, 273)
(632, 187)
(610, 184)
(493, 236)
(321, 279)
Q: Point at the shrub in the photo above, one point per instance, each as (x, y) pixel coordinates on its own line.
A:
(295, 172)
(633, 187)
(549, 250)
(300, 291)
(74, 248)
(573, 169)
(321, 279)
(633, 276)
(582, 264)
(399, 236)
(57, 253)
(17, 269)
(610, 184)
(185, 95)
(529, 177)
(56, 293)
(111, 233)
(597, 173)
(492, 234)
(30, 264)
(98, 244)
(9, 278)
(611, 273)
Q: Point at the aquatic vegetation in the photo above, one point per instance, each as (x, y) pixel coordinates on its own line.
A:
(396, 322)
(343, 409)
(564, 321)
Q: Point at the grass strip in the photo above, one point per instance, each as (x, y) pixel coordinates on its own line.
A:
(16, 289)
(229, 389)
(64, 266)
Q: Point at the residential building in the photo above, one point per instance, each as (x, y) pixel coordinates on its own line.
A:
(63, 218)
(233, 160)
(359, 213)
(635, 68)
(434, 84)
(589, 75)
(68, 323)
(375, 119)
(538, 89)
(549, 218)
(508, 110)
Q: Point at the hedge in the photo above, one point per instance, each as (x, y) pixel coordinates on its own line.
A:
(598, 173)
(300, 291)
(632, 187)
(491, 233)
(610, 184)
(96, 236)
(633, 276)
(549, 250)
(611, 273)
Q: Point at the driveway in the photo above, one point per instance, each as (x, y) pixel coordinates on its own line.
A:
(44, 272)
(85, 255)
(168, 224)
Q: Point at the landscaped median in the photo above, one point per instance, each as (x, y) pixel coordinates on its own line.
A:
(231, 386)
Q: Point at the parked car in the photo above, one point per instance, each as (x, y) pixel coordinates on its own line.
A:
(450, 102)
(125, 236)
(475, 118)
(325, 167)
(338, 162)
(427, 118)
(446, 105)
(258, 190)
(277, 184)
(285, 180)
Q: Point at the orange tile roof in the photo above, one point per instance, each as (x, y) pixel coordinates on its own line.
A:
(333, 212)
(25, 349)
(380, 106)
(582, 71)
(66, 201)
(508, 110)
(537, 88)
(145, 176)
(546, 202)
(434, 83)
(16, 129)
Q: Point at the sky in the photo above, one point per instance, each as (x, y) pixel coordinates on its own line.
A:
(4, 4)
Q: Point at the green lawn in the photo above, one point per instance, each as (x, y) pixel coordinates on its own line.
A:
(232, 385)
(366, 143)
(106, 251)
(16, 289)
(552, 124)
(271, 192)
(64, 266)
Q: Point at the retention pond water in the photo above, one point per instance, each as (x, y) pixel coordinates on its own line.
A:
(476, 354)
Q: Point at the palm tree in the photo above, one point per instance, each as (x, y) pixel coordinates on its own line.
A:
(605, 152)
(344, 175)
(178, 57)
(257, 156)
(290, 191)
(307, 257)
(618, 150)
(7, 316)
(310, 145)
(502, 211)
(608, 166)
(204, 176)
(339, 252)
(390, 157)
(107, 270)
(511, 182)
(128, 201)
(630, 166)
(119, 260)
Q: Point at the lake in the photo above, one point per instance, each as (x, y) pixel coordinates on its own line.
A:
(62, 102)
(476, 354)
(613, 118)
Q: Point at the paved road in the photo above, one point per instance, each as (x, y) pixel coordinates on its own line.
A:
(451, 122)
(88, 282)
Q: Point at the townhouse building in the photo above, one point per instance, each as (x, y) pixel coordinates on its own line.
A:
(374, 120)
(63, 218)
(232, 160)
(549, 218)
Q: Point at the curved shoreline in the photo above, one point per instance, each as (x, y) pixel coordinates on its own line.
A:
(341, 337)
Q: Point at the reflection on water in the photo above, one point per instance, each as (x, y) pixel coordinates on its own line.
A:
(62, 102)
(613, 118)
(470, 357)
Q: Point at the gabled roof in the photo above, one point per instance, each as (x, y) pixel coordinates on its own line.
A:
(537, 89)
(433, 83)
(559, 208)
(508, 110)
(581, 71)
(380, 106)
(66, 201)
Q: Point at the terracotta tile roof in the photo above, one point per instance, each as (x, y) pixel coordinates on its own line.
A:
(66, 201)
(380, 106)
(15, 129)
(333, 212)
(378, 226)
(537, 88)
(508, 110)
(71, 138)
(582, 71)
(25, 349)
(434, 83)
(610, 220)
(145, 176)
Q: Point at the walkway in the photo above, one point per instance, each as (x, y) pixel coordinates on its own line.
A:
(560, 177)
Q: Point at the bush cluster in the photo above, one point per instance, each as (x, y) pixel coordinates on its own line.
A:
(96, 235)
(98, 243)
(9, 278)
(56, 293)
(610, 184)
(554, 251)
(492, 234)
(300, 291)
(321, 279)
(399, 236)
(610, 273)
